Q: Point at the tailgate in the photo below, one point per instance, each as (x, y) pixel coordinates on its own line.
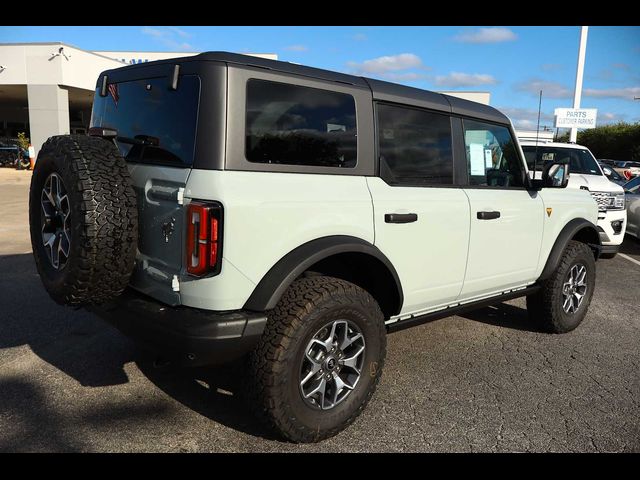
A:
(161, 227)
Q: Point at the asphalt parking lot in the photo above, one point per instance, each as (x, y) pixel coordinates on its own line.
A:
(488, 381)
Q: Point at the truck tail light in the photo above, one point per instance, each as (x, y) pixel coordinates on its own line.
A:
(204, 238)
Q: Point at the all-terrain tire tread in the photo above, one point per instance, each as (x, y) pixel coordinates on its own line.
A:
(545, 305)
(105, 238)
(269, 362)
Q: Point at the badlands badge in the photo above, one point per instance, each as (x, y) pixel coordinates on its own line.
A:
(549, 210)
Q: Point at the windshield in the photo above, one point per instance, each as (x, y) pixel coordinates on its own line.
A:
(154, 123)
(580, 160)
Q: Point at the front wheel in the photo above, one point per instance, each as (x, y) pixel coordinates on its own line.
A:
(319, 359)
(562, 302)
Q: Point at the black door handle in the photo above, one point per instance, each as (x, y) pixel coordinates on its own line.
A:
(400, 217)
(488, 215)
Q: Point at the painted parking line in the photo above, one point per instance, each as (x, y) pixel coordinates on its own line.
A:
(629, 258)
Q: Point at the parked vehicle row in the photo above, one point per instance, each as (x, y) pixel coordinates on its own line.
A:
(612, 174)
(626, 169)
(585, 173)
(632, 200)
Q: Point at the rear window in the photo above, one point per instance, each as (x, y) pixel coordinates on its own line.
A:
(295, 125)
(580, 160)
(154, 123)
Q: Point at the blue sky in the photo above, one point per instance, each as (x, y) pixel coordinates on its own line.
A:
(513, 63)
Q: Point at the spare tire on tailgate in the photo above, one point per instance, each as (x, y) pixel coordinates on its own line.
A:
(83, 220)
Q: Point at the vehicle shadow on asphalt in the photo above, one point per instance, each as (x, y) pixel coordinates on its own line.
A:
(72, 340)
(94, 353)
(630, 246)
(214, 392)
(31, 424)
(504, 315)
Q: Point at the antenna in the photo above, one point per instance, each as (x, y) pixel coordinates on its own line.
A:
(535, 156)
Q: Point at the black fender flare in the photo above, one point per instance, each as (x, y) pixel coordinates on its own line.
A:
(267, 293)
(587, 230)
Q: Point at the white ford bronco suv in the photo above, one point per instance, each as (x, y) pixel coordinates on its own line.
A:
(225, 205)
(586, 174)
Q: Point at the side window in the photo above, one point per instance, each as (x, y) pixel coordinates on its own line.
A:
(492, 158)
(294, 125)
(414, 146)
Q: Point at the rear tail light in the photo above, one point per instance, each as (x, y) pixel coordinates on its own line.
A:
(204, 238)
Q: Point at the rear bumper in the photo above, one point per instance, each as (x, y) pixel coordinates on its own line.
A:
(184, 335)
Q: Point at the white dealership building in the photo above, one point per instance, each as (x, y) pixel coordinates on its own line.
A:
(47, 88)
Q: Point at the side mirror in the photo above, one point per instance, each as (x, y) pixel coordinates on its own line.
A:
(555, 175)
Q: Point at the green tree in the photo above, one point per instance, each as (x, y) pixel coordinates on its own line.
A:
(619, 141)
(23, 140)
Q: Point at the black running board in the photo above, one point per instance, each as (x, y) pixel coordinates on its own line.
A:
(450, 311)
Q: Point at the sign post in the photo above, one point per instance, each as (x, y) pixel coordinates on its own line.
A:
(579, 73)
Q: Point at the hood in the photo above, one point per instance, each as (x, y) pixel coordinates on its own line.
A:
(595, 183)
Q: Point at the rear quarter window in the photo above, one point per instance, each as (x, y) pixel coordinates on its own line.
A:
(295, 125)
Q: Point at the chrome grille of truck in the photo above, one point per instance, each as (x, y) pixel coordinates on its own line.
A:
(603, 199)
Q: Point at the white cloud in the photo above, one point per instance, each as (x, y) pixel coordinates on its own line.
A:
(627, 93)
(180, 32)
(549, 89)
(391, 63)
(609, 117)
(297, 48)
(167, 37)
(403, 76)
(459, 79)
(524, 123)
(153, 32)
(487, 35)
(360, 37)
(526, 118)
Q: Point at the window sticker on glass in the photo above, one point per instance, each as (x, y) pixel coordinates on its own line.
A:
(488, 162)
(476, 157)
(332, 127)
(387, 134)
(548, 156)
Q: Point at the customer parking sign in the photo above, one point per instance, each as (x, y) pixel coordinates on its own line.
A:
(576, 117)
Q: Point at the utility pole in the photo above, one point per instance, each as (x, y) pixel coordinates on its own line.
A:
(579, 73)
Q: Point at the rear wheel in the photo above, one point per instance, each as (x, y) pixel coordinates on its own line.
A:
(83, 220)
(562, 302)
(319, 359)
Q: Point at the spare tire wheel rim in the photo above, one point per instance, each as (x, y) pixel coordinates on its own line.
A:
(574, 288)
(56, 221)
(332, 364)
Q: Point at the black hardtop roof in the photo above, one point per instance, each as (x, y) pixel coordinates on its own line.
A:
(384, 91)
